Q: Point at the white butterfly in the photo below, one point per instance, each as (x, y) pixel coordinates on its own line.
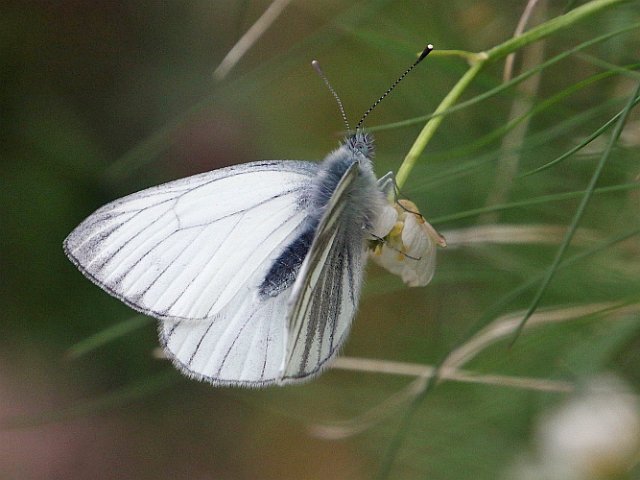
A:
(254, 271)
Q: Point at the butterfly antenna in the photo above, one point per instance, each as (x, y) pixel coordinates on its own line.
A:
(422, 56)
(316, 66)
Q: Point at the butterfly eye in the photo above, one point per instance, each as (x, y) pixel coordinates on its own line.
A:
(362, 148)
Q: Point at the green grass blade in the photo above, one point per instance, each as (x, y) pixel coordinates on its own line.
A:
(107, 335)
(578, 215)
(581, 145)
(556, 197)
(159, 141)
(536, 110)
(541, 107)
(543, 137)
(609, 66)
(501, 304)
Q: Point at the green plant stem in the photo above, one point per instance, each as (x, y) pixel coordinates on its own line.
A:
(432, 125)
(514, 81)
(541, 31)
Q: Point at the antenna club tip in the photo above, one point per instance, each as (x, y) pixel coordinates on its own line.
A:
(427, 50)
(316, 66)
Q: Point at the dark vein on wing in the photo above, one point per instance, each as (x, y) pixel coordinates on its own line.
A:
(108, 213)
(257, 334)
(258, 266)
(195, 351)
(224, 359)
(323, 306)
(228, 238)
(110, 210)
(171, 210)
(302, 314)
(266, 351)
(114, 214)
(328, 299)
(205, 226)
(120, 248)
(197, 274)
(312, 321)
(351, 275)
(169, 265)
(334, 325)
(170, 333)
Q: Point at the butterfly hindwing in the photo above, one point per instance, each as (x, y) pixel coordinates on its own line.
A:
(326, 292)
(241, 346)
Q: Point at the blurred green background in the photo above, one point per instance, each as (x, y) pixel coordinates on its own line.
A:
(100, 99)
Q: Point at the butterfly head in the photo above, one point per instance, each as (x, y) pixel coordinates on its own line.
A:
(361, 143)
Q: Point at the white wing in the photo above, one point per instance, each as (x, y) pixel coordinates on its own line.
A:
(243, 345)
(326, 293)
(183, 250)
(193, 253)
(257, 340)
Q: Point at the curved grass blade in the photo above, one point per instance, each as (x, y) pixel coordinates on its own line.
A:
(581, 145)
(539, 108)
(579, 212)
(532, 201)
(504, 129)
(501, 304)
(107, 335)
(159, 141)
(543, 137)
(608, 66)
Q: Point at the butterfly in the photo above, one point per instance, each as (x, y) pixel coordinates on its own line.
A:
(253, 271)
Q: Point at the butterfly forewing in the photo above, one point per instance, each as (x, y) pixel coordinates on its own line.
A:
(184, 249)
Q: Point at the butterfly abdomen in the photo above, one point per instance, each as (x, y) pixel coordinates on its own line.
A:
(284, 269)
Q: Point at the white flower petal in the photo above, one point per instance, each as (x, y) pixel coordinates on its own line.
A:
(595, 435)
(386, 220)
(409, 248)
